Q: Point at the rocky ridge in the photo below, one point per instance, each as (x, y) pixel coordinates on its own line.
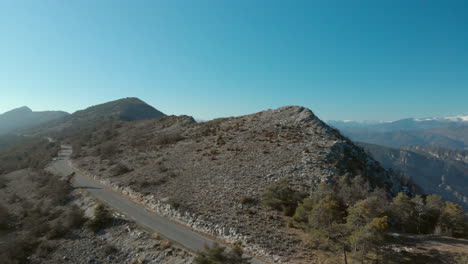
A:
(210, 176)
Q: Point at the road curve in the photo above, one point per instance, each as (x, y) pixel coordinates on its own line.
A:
(142, 216)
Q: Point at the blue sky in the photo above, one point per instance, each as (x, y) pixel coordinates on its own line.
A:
(374, 60)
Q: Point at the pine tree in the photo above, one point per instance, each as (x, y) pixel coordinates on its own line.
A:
(452, 219)
(421, 214)
(303, 209)
(403, 211)
(434, 205)
(366, 240)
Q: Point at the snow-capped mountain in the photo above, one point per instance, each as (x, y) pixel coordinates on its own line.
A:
(449, 132)
(403, 124)
(458, 118)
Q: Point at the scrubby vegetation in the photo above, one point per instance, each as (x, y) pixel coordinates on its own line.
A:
(217, 254)
(347, 216)
(27, 153)
(102, 219)
(33, 223)
(281, 197)
(31, 220)
(7, 140)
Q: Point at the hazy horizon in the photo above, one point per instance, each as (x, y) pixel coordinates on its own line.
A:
(208, 59)
(203, 119)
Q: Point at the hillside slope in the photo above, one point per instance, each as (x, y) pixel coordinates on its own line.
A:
(24, 117)
(215, 172)
(126, 109)
(434, 169)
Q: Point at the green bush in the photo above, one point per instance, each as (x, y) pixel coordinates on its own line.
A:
(217, 254)
(57, 230)
(168, 138)
(102, 219)
(281, 197)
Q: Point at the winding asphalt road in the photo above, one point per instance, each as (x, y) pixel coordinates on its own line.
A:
(143, 217)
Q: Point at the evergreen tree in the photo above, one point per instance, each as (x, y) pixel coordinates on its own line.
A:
(350, 190)
(434, 206)
(365, 241)
(452, 219)
(421, 214)
(303, 209)
(402, 210)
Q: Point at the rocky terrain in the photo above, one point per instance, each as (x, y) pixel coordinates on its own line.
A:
(36, 210)
(212, 174)
(124, 242)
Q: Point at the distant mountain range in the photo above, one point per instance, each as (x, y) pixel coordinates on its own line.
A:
(126, 109)
(433, 169)
(406, 124)
(449, 132)
(24, 117)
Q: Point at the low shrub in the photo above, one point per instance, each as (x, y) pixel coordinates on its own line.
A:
(281, 197)
(169, 138)
(218, 254)
(108, 150)
(165, 244)
(102, 219)
(56, 231)
(110, 250)
(247, 200)
(119, 169)
(74, 217)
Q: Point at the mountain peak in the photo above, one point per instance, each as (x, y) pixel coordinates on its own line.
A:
(24, 117)
(128, 109)
(23, 109)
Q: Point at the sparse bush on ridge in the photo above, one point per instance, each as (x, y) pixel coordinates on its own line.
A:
(168, 138)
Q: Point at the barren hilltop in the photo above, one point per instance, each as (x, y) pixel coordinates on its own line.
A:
(213, 173)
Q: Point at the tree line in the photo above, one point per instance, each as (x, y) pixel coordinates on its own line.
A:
(348, 216)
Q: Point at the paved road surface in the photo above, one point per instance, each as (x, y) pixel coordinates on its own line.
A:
(147, 219)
